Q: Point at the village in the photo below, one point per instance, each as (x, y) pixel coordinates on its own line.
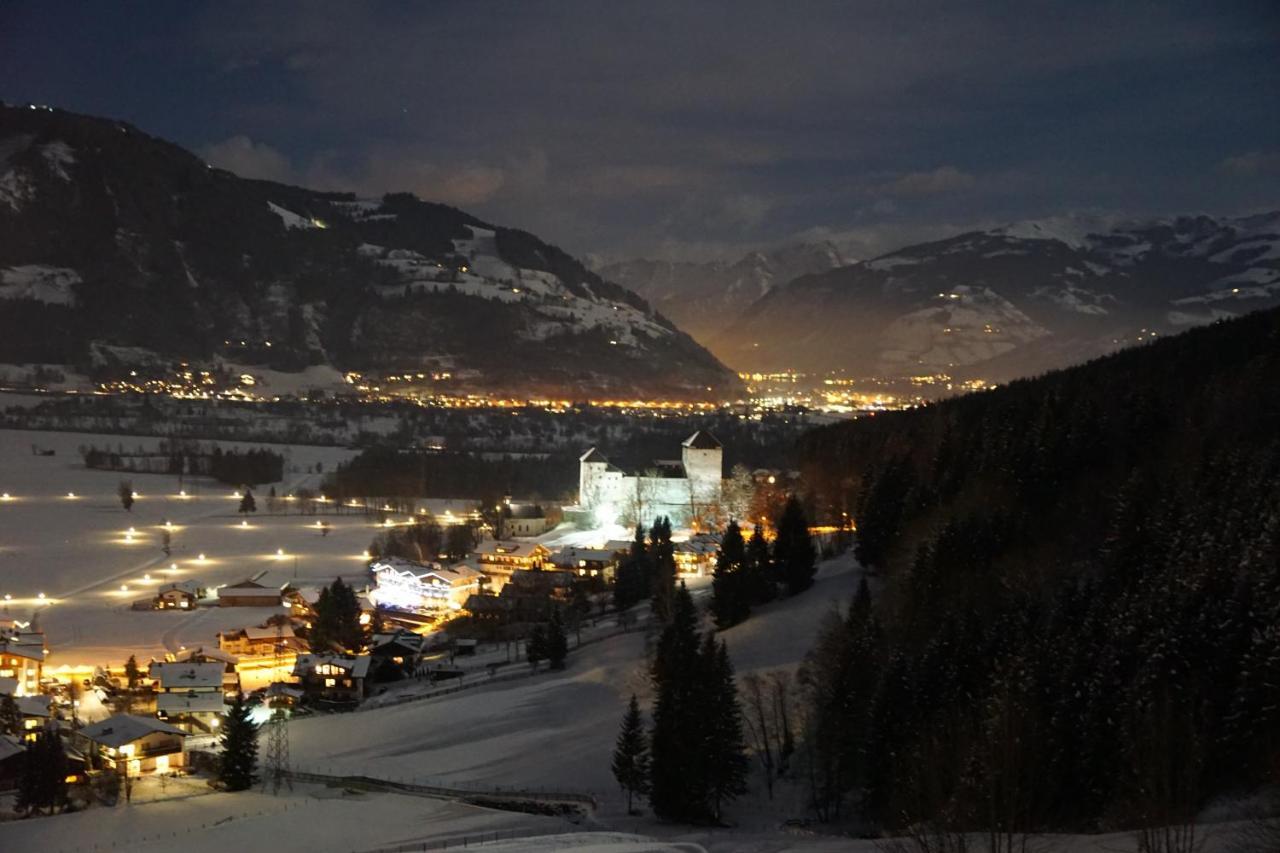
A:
(513, 586)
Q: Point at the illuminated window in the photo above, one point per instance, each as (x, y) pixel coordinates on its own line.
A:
(330, 682)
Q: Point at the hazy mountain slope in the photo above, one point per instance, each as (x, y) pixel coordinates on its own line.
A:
(120, 249)
(704, 298)
(1014, 300)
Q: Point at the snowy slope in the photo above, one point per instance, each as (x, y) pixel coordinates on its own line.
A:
(117, 241)
(705, 297)
(1034, 295)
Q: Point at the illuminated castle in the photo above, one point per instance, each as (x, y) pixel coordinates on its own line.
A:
(684, 490)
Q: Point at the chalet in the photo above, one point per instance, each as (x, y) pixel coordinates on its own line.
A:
(260, 641)
(401, 584)
(332, 678)
(183, 595)
(36, 713)
(199, 654)
(395, 655)
(247, 593)
(189, 695)
(542, 583)
(22, 659)
(586, 562)
(138, 746)
(697, 555)
(498, 558)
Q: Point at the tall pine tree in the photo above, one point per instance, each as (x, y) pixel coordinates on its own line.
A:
(239, 757)
(724, 757)
(676, 790)
(793, 554)
(631, 754)
(730, 597)
(663, 567)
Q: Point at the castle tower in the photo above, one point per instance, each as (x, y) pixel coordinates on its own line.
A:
(703, 458)
(592, 466)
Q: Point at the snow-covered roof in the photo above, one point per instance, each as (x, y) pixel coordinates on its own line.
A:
(202, 652)
(592, 455)
(249, 590)
(175, 675)
(126, 728)
(27, 645)
(358, 667)
(268, 632)
(34, 706)
(188, 587)
(9, 747)
(571, 556)
(191, 702)
(509, 548)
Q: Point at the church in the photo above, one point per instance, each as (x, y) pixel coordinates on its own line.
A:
(686, 490)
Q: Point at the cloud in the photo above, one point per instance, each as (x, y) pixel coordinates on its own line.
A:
(1252, 164)
(944, 179)
(249, 159)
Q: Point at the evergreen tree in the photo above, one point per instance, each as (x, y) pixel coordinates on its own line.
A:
(632, 582)
(247, 503)
(663, 560)
(758, 569)
(631, 754)
(125, 491)
(43, 784)
(730, 601)
(724, 755)
(557, 642)
(10, 716)
(337, 623)
(132, 673)
(535, 648)
(239, 760)
(677, 790)
(793, 553)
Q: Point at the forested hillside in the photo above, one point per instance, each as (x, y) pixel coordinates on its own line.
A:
(1080, 618)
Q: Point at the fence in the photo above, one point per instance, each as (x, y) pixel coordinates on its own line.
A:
(492, 796)
(461, 842)
(481, 679)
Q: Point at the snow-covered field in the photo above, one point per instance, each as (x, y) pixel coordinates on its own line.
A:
(553, 731)
(75, 550)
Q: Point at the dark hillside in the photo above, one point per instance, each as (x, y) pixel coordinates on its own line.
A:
(1082, 590)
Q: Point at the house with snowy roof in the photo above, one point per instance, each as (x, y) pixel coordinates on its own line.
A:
(140, 746)
(332, 678)
(684, 490)
(249, 593)
(260, 640)
(401, 584)
(189, 695)
(498, 558)
(22, 655)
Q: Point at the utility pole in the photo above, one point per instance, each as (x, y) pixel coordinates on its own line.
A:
(277, 726)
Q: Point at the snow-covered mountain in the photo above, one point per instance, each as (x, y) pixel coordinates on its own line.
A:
(1013, 301)
(119, 250)
(704, 298)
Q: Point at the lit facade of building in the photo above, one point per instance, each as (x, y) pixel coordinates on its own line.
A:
(684, 490)
(405, 585)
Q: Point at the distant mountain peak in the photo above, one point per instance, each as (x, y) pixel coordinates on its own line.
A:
(1052, 291)
(119, 248)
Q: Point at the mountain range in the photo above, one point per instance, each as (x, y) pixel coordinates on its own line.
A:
(123, 253)
(1011, 301)
(704, 298)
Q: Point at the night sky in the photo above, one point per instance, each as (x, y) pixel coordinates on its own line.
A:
(695, 129)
